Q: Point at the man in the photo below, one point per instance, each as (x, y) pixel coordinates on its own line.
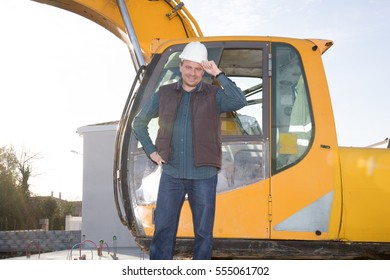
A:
(188, 146)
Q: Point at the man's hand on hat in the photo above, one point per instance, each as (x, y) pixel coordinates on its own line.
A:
(211, 68)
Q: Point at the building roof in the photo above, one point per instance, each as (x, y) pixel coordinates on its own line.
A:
(98, 127)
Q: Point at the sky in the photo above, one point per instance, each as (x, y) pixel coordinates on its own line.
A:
(60, 72)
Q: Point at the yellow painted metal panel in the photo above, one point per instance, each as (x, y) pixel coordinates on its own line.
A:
(300, 187)
(242, 213)
(366, 193)
(323, 45)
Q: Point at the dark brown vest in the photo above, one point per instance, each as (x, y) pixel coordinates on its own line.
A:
(205, 119)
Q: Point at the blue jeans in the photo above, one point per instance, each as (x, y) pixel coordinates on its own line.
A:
(171, 195)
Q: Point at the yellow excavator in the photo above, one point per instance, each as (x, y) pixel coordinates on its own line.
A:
(286, 190)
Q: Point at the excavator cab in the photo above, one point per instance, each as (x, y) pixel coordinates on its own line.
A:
(272, 133)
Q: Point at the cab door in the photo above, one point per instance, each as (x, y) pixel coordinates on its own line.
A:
(305, 181)
(243, 181)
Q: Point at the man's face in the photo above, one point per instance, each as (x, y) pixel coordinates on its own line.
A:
(192, 73)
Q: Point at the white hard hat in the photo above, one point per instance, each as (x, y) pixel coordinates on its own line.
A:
(194, 51)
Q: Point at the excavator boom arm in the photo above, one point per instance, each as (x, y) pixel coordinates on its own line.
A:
(149, 20)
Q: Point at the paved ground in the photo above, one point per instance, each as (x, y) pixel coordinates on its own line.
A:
(132, 253)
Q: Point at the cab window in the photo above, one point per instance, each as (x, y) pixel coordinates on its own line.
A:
(292, 121)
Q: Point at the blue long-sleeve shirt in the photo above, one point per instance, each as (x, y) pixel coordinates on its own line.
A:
(181, 161)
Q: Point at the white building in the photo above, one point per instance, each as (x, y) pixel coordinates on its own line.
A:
(100, 220)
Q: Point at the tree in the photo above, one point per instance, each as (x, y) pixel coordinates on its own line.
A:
(50, 209)
(24, 166)
(8, 187)
(18, 208)
(15, 210)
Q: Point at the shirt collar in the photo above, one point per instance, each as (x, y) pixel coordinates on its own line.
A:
(198, 87)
